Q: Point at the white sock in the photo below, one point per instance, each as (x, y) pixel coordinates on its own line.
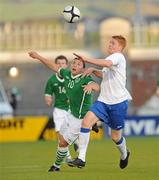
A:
(83, 144)
(122, 149)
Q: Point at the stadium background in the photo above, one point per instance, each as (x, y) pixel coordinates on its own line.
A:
(39, 25)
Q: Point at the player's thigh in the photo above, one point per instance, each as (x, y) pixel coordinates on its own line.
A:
(117, 114)
(60, 118)
(72, 130)
(89, 120)
(99, 109)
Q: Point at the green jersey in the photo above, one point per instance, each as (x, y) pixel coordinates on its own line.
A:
(79, 101)
(158, 83)
(55, 86)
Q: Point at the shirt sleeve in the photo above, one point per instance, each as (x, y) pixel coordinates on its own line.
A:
(63, 72)
(114, 58)
(88, 80)
(49, 90)
(158, 82)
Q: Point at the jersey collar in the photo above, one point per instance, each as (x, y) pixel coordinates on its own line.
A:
(59, 79)
(74, 77)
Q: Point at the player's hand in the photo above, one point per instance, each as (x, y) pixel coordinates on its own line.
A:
(87, 88)
(87, 72)
(79, 56)
(33, 54)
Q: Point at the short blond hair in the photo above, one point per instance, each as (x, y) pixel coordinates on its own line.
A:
(121, 40)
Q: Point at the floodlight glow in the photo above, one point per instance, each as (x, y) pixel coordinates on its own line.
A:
(13, 72)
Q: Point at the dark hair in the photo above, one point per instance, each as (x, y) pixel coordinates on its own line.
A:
(84, 65)
(61, 57)
(121, 40)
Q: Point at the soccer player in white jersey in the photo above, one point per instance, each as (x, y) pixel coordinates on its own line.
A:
(112, 103)
(79, 92)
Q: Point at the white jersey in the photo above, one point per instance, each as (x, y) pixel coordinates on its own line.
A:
(113, 84)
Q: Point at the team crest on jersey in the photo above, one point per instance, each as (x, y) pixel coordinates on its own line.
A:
(56, 84)
(67, 77)
(77, 80)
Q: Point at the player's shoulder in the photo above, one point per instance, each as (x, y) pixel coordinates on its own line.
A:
(52, 79)
(115, 55)
(116, 58)
(64, 71)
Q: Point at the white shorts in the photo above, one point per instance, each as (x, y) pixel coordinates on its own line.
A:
(60, 117)
(71, 132)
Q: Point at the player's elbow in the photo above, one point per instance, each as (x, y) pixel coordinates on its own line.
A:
(108, 63)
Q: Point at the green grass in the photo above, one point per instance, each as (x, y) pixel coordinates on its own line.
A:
(30, 161)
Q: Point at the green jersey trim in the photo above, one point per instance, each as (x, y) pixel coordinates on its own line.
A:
(60, 79)
(81, 106)
(48, 95)
(59, 70)
(74, 77)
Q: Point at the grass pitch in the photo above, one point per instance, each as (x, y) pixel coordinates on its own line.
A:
(30, 161)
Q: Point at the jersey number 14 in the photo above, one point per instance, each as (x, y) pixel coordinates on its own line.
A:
(62, 90)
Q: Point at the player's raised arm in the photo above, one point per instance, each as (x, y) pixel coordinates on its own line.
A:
(92, 86)
(43, 60)
(98, 62)
(98, 73)
(91, 70)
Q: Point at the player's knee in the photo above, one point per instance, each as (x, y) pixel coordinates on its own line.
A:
(63, 143)
(115, 137)
(86, 123)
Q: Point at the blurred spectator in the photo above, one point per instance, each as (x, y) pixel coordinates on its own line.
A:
(15, 96)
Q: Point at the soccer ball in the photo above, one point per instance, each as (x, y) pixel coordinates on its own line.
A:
(71, 14)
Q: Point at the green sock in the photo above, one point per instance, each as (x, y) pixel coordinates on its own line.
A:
(60, 155)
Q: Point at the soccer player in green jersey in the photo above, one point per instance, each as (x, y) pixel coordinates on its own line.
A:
(79, 91)
(55, 87)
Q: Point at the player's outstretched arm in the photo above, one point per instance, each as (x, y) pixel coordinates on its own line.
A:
(43, 60)
(98, 73)
(98, 62)
(91, 70)
(92, 86)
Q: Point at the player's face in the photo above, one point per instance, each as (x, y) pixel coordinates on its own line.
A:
(114, 46)
(76, 67)
(62, 63)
